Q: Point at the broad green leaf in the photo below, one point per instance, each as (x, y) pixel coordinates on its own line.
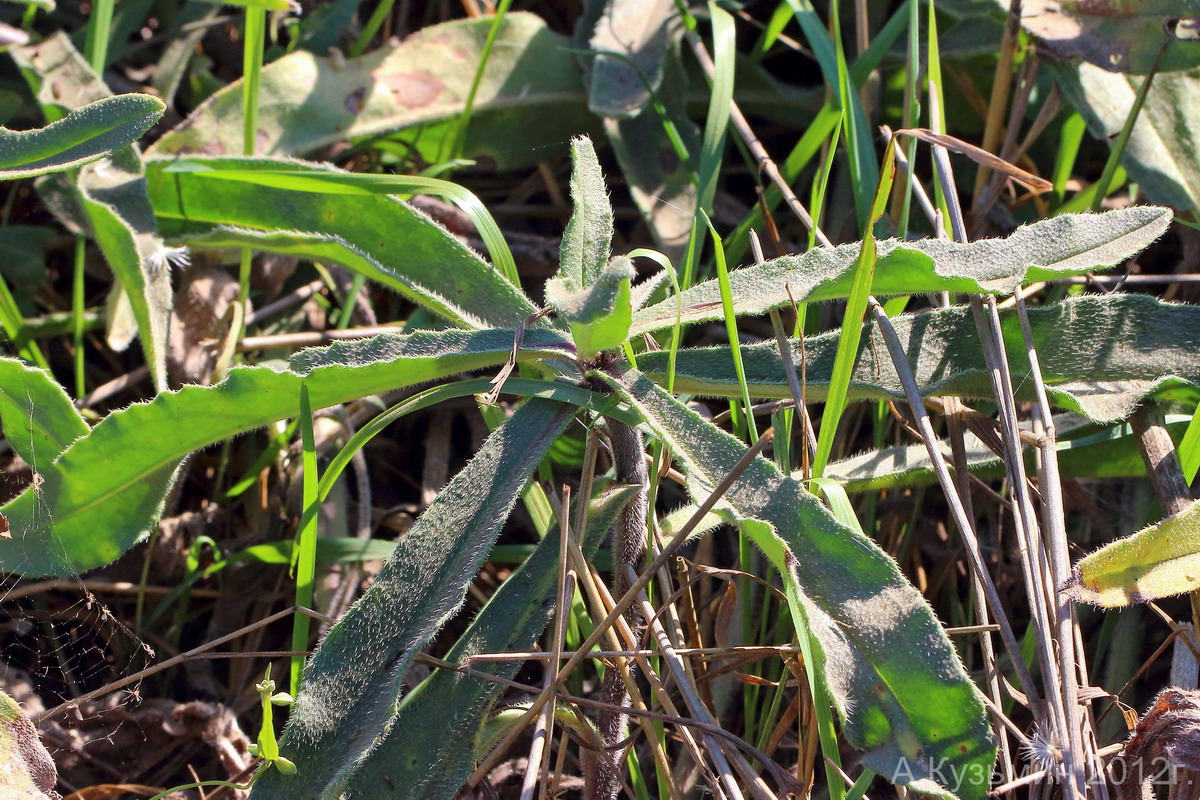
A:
(1159, 355)
(640, 31)
(39, 419)
(113, 195)
(351, 683)
(83, 136)
(586, 242)
(1114, 35)
(599, 313)
(1159, 561)
(403, 766)
(1161, 155)
(1110, 452)
(377, 235)
(901, 690)
(61, 78)
(531, 98)
(27, 771)
(1053, 248)
(106, 491)
(661, 182)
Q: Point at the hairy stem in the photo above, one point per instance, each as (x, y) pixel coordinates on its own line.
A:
(603, 770)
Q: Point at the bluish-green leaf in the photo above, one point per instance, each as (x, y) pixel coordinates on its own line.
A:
(589, 233)
(352, 681)
(901, 690)
(407, 767)
(1052, 248)
(83, 136)
(106, 490)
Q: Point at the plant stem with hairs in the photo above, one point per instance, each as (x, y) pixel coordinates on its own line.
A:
(603, 770)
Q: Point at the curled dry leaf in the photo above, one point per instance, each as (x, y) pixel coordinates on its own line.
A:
(1164, 748)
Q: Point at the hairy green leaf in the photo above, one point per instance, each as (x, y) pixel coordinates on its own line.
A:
(351, 683)
(421, 768)
(106, 490)
(83, 136)
(1158, 561)
(1099, 356)
(40, 421)
(113, 195)
(599, 313)
(530, 99)
(379, 236)
(589, 233)
(901, 690)
(1052, 248)
(1162, 154)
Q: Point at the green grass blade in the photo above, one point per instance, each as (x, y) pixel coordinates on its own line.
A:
(712, 144)
(328, 182)
(732, 332)
(92, 507)
(350, 684)
(1189, 448)
(464, 120)
(856, 307)
(304, 556)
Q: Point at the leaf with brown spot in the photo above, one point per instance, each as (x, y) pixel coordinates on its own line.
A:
(1115, 35)
(531, 98)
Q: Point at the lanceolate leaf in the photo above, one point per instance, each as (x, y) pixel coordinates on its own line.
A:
(407, 767)
(902, 691)
(83, 136)
(589, 233)
(39, 420)
(351, 682)
(1052, 248)
(531, 97)
(106, 491)
(1161, 154)
(381, 237)
(1159, 561)
(1084, 367)
(113, 195)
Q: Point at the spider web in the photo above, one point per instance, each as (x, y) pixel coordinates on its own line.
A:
(60, 640)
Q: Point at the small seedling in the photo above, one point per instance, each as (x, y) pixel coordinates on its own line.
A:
(268, 746)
